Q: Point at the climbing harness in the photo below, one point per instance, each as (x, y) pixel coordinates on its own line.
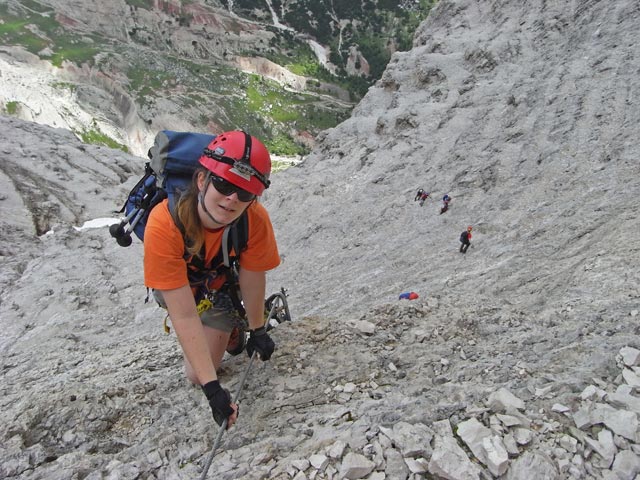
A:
(203, 305)
(218, 299)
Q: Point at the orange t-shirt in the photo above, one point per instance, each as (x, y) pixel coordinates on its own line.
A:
(165, 267)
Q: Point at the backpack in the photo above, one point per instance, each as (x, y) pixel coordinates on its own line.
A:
(174, 157)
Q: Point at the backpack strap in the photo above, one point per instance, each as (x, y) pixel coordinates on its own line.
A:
(236, 236)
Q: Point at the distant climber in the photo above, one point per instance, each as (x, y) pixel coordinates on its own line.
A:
(445, 203)
(418, 194)
(423, 196)
(465, 239)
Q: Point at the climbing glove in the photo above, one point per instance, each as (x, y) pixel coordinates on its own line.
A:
(219, 401)
(260, 341)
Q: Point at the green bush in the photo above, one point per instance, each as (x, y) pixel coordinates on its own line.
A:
(65, 86)
(96, 137)
(77, 54)
(12, 107)
(284, 145)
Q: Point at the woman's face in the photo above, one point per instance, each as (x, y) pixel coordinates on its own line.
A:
(223, 208)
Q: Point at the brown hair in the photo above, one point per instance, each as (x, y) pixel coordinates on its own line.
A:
(187, 213)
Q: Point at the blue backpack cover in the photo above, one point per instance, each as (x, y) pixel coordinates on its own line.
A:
(174, 157)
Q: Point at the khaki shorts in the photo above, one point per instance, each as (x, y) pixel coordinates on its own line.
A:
(221, 317)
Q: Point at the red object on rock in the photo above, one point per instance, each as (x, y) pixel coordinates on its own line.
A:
(408, 296)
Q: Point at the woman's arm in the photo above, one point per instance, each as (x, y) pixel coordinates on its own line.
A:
(188, 327)
(190, 332)
(253, 287)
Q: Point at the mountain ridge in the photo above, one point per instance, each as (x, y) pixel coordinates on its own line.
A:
(192, 65)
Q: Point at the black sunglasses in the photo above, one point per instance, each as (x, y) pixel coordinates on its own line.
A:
(227, 188)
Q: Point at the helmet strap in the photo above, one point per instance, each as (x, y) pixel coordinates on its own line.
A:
(247, 148)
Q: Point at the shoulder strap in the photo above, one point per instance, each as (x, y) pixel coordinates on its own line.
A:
(239, 236)
(234, 236)
(239, 233)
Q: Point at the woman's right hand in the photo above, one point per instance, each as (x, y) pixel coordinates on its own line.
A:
(220, 403)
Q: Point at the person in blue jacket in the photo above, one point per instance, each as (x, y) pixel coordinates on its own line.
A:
(445, 203)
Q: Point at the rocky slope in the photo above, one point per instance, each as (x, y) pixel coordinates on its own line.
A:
(532, 144)
(520, 358)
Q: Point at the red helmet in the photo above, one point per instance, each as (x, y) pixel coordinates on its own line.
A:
(469, 228)
(240, 159)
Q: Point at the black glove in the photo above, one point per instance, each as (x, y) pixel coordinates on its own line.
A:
(260, 341)
(219, 401)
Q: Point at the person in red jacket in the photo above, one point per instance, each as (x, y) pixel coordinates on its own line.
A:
(421, 195)
(465, 239)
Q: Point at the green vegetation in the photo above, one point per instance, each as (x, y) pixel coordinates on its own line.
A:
(36, 31)
(145, 4)
(96, 137)
(12, 107)
(242, 117)
(147, 84)
(64, 86)
(284, 145)
(282, 108)
(409, 22)
(76, 53)
(260, 124)
(268, 98)
(302, 61)
(238, 100)
(375, 28)
(209, 93)
(14, 32)
(306, 64)
(374, 50)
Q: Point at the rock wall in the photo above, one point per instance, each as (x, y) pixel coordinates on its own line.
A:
(524, 116)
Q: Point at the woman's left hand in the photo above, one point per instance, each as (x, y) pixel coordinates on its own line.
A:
(260, 342)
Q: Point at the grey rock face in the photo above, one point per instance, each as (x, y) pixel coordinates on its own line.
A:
(537, 148)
